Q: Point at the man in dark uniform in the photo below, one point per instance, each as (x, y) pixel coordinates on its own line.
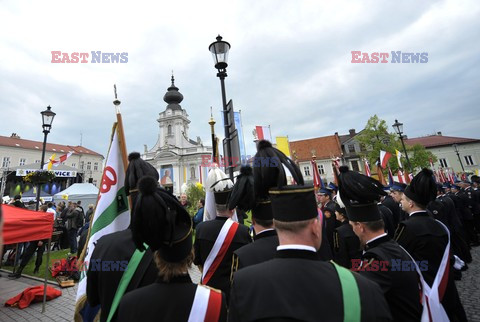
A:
(383, 260)
(396, 192)
(473, 205)
(173, 297)
(221, 232)
(393, 205)
(265, 240)
(346, 243)
(324, 196)
(119, 246)
(297, 285)
(460, 198)
(427, 240)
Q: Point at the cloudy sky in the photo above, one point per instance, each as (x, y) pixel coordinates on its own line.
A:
(289, 66)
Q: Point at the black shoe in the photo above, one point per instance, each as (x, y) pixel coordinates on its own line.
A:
(35, 271)
(14, 275)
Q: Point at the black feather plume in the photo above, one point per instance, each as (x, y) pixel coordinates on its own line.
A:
(356, 188)
(243, 193)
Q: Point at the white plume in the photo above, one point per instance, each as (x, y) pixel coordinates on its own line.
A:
(215, 174)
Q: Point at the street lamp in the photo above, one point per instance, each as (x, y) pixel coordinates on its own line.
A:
(455, 147)
(219, 50)
(47, 119)
(399, 129)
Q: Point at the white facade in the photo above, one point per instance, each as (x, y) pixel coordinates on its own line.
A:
(174, 151)
(324, 169)
(86, 162)
(447, 157)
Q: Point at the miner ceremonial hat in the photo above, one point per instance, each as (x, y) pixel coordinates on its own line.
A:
(293, 203)
(161, 222)
(220, 184)
(422, 189)
(359, 195)
(137, 168)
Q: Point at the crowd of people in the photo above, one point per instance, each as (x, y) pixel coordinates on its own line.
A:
(355, 251)
(69, 220)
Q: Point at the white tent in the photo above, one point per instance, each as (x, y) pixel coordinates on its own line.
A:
(85, 192)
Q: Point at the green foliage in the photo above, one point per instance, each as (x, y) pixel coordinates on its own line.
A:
(375, 137)
(194, 193)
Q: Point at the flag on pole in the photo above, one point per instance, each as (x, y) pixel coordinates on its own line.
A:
(381, 178)
(283, 145)
(399, 155)
(263, 133)
(401, 179)
(55, 163)
(317, 181)
(390, 177)
(367, 168)
(111, 213)
(384, 157)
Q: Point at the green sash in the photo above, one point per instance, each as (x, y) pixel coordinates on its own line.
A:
(126, 278)
(351, 295)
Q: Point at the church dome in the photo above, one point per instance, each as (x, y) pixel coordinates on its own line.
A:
(173, 97)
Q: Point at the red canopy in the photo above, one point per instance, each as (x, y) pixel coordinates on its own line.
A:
(22, 225)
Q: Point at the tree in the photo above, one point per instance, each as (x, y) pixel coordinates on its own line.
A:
(195, 192)
(375, 137)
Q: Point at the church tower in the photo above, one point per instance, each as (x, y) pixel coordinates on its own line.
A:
(175, 153)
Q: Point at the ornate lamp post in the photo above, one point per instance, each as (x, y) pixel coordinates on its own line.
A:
(219, 50)
(399, 129)
(47, 119)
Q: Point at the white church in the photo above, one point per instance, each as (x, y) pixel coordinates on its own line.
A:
(177, 158)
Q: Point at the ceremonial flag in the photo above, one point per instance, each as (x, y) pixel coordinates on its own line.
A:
(367, 168)
(451, 176)
(263, 133)
(431, 164)
(401, 179)
(111, 213)
(407, 176)
(237, 116)
(390, 177)
(464, 177)
(283, 145)
(317, 181)
(381, 178)
(55, 163)
(399, 155)
(384, 157)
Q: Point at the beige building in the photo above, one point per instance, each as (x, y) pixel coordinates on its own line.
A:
(15, 152)
(445, 148)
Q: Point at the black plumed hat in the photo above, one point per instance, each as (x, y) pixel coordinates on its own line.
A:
(243, 194)
(269, 169)
(161, 222)
(263, 210)
(422, 189)
(137, 168)
(359, 194)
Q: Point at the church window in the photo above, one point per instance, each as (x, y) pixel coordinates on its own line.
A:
(169, 129)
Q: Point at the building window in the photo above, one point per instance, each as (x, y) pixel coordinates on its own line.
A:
(355, 165)
(321, 170)
(74, 165)
(23, 161)
(95, 182)
(37, 161)
(89, 165)
(95, 166)
(306, 170)
(443, 163)
(169, 131)
(351, 148)
(469, 160)
(6, 162)
(81, 165)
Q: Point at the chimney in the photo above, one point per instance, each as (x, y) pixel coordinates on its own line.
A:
(439, 133)
(336, 133)
(352, 132)
(15, 136)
